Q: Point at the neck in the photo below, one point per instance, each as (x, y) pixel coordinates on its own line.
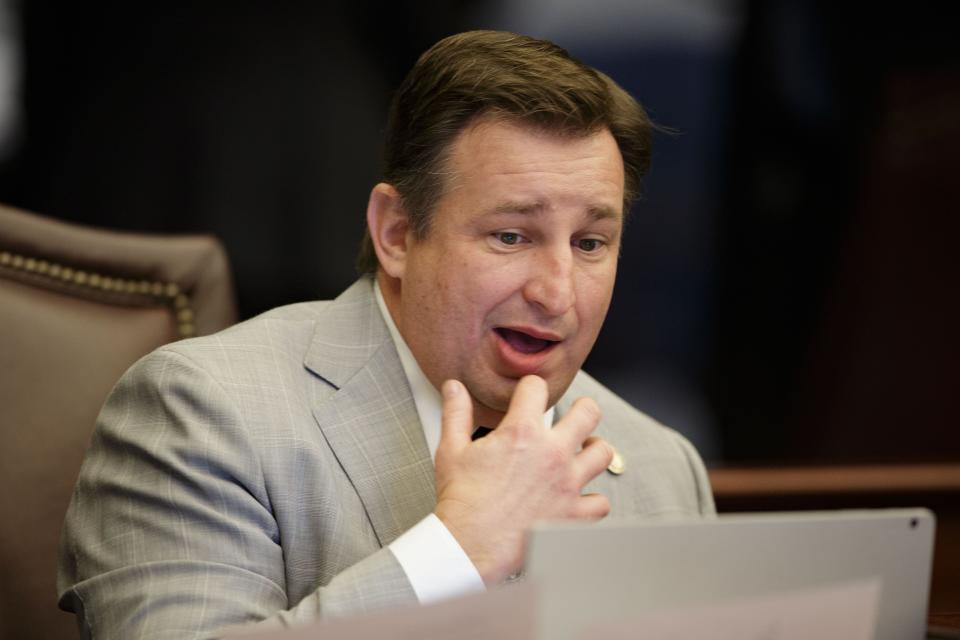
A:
(390, 289)
(485, 416)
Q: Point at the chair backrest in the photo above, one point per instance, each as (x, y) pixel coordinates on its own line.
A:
(78, 306)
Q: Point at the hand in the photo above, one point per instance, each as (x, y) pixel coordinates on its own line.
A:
(490, 491)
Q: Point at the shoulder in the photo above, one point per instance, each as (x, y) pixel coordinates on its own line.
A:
(289, 358)
(290, 325)
(244, 361)
(291, 331)
(266, 344)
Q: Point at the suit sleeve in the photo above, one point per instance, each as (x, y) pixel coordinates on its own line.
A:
(171, 531)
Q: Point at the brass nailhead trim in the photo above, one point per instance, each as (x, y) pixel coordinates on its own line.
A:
(165, 293)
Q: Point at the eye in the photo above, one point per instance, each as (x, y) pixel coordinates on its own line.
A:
(589, 245)
(508, 237)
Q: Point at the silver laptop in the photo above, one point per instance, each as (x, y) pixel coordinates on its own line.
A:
(590, 573)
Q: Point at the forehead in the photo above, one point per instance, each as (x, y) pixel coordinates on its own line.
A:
(494, 157)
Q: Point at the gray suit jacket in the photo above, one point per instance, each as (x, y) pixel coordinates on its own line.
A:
(259, 473)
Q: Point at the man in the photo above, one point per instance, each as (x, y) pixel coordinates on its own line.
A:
(283, 470)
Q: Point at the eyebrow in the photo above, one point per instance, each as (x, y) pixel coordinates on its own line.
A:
(536, 206)
(525, 208)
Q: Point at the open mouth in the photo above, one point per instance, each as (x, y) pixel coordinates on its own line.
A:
(524, 342)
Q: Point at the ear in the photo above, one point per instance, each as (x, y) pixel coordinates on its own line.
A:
(388, 225)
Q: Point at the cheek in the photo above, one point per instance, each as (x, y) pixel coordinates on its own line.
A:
(455, 304)
(482, 285)
(499, 299)
(593, 298)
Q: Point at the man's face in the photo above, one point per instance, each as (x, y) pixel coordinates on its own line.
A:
(516, 272)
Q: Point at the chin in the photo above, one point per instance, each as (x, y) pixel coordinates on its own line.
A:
(495, 399)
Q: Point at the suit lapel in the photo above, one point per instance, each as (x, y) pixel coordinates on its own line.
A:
(370, 421)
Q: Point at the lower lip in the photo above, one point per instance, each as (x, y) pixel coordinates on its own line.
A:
(521, 364)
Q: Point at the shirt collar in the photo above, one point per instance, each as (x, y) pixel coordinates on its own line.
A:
(426, 397)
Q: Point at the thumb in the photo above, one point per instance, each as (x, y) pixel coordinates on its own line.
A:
(457, 425)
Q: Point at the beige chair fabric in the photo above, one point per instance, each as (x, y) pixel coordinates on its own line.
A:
(77, 307)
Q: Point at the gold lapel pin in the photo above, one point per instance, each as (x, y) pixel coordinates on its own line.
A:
(617, 465)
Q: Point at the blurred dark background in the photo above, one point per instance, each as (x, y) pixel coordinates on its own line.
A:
(789, 283)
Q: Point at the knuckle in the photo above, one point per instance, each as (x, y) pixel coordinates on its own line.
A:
(590, 409)
(555, 458)
(440, 459)
(521, 431)
(607, 450)
(529, 426)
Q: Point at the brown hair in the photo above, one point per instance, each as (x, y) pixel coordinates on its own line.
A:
(498, 73)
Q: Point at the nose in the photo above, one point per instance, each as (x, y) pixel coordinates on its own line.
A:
(550, 283)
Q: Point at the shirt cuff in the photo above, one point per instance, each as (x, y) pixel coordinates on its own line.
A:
(436, 565)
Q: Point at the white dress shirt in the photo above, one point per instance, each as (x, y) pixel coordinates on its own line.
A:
(433, 560)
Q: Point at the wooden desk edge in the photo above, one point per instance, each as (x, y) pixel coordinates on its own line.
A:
(729, 482)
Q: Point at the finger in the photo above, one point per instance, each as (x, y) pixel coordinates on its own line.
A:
(591, 506)
(529, 401)
(592, 460)
(578, 423)
(457, 419)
